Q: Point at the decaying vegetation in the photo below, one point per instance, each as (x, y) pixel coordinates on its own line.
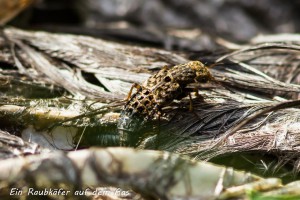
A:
(65, 92)
(61, 94)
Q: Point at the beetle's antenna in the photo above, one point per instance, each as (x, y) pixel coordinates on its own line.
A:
(214, 64)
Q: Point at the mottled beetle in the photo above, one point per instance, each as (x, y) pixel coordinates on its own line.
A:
(157, 92)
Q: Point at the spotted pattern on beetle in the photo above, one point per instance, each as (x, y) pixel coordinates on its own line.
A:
(157, 92)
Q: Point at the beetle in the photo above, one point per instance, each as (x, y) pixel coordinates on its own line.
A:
(158, 91)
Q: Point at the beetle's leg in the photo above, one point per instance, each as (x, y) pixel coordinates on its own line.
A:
(196, 90)
(191, 109)
(135, 85)
(165, 67)
(198, 97)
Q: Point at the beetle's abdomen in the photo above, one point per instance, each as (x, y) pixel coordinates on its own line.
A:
(139, 109)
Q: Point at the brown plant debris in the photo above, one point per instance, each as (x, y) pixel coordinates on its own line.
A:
(67, 81)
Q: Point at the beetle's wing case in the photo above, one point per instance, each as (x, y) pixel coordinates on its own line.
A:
(156, 78)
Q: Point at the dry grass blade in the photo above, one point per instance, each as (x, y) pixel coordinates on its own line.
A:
(283, 105)
(84, 65)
